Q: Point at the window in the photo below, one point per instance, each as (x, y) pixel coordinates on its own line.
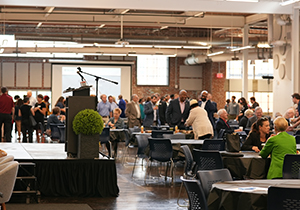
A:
(152, 70)
(234, 69)
(265, 100)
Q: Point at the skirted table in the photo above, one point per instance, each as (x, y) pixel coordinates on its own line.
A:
(244, 195)
(246, 165)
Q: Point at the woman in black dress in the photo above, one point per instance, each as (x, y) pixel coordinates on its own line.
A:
(18, 122)
(40, 111)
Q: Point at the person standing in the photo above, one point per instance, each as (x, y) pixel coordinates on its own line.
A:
(18, 118)
(162, 109)
(24, 112)
(151, 114)
(210, 107)
(7, 112)
(254, 103)
(32, 100)
(113, 105)
(178, 110)
(233, 109)
(199, 120)
(122, 106)
(103, 108)
(296, 99)
(40, 112)
(141, 104)
(133, 112)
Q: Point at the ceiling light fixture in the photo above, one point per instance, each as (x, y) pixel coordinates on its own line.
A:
(168, 46)
(216, 53)
(242, 48)
(196, 47)
(39, 24)
(125, 11)
(263, 45)
(288, 2)
(1, 50)
(244, 0)
(164, 27)
(101, 26)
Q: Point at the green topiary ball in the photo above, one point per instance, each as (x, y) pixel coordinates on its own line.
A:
(88, 122)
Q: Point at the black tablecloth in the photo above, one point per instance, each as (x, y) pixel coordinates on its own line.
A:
(244, 195)
(84, 178)
(250, 166)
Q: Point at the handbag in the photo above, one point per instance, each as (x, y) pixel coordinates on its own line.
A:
(233, 142)
(32, 121)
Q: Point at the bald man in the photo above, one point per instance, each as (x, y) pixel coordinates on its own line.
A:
(178, 110)
(32, 100)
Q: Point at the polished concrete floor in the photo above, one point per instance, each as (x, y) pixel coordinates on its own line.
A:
(134, 194)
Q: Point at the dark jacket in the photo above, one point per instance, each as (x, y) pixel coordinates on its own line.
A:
(222, 125)
(211, 108)
(243, 122)
(149, 114)
(253, 139)
(122, 106)
(162, 109)
(174, 115)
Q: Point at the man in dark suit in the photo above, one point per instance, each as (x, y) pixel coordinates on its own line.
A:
(122, 106)
(151, 114)
(178, 110)
(162, 109)
(210, 107)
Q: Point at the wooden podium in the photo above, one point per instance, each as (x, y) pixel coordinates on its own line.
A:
(80, 100)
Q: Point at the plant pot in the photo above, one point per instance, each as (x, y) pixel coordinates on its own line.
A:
(88, 146)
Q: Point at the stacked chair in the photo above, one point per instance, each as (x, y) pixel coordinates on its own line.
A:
(8, 174)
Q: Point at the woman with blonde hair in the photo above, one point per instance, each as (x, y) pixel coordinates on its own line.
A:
(278, 146)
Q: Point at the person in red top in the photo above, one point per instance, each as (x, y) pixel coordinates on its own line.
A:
(7, 111)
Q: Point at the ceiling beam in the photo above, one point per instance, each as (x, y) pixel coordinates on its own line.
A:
(251, 19)
(263, 6)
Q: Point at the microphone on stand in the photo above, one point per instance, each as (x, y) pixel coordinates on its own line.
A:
(79, 69)
(82, 78)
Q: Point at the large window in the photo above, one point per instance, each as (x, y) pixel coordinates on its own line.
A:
(152, 70)
(265, 99)
(234, 69)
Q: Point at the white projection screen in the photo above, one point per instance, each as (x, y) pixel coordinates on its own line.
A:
(65, 76)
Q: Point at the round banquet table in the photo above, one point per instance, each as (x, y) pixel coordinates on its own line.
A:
(244, 195)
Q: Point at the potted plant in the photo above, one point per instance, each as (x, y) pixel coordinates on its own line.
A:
(88, 125)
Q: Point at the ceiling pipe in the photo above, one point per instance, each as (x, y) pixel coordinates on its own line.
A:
(198, 59)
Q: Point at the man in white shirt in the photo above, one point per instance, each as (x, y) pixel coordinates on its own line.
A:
(32, 100)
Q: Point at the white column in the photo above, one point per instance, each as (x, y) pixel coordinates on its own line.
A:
(295, 51)
(245, 63)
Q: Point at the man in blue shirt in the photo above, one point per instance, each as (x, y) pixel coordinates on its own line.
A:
(103, 108)
(122, 106)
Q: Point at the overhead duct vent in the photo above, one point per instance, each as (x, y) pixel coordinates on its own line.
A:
(193, 60)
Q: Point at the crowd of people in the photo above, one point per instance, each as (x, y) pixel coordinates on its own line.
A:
(176, 110)
(27, 114)
(179, 111)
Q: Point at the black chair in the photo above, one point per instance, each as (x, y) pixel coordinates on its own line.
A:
(281, 198)
(221, 133)
(62, 130)
(159, 133)
(247, 130)
(127, 144)
(142, 141)
(207, 159)
(196, 195)
(209, 177)
(55, 134)
(105, 139)
(297, 137)
(160, 150)
(297, 132)
(188, 169)
(291, 166)
(211, 144)
(174, 136)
